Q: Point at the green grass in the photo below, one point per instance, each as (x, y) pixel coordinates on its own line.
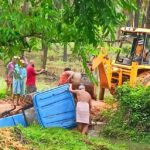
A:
(109, 99)
(62, 139)
(2, 88)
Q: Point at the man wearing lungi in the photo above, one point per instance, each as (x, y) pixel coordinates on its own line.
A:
(83, 108)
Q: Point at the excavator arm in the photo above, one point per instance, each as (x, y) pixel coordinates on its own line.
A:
(104, 67)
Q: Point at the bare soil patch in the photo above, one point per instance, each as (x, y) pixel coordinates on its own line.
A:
(98, 107)
(9, 140)
(7, 108)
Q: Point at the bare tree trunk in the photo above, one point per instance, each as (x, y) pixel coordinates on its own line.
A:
(144, 9)
(148, 16)
(130, 22)
(45, 52)
(25, 10)
(143, 21)
(65, 53)
(137, 14)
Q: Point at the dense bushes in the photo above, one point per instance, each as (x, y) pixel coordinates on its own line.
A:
(133, 113)
(135, 105)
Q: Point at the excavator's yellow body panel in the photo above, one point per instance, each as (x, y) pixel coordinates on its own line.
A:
(129, 68)
(112, 74)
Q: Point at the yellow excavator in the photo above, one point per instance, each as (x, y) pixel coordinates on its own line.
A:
(132, 62)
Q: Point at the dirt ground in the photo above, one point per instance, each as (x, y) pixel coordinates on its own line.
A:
(9, 139)
(12, 139)
(97, 107)
(7, 108)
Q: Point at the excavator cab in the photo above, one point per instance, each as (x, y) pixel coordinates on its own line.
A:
(135, 47)
(132, 62)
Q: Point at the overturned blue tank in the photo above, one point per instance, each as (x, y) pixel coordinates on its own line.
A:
(51, 108)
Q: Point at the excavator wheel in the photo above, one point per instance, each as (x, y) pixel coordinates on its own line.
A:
(144, 78)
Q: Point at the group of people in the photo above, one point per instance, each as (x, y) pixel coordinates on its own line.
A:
(20, 78)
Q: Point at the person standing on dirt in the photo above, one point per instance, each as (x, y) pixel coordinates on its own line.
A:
(83, 108)
(31, 77)
(9, 74)
(16, 82)
(66, 76)
(23, 75)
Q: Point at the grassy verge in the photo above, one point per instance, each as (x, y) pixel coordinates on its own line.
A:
(2, 88)
(62, 139)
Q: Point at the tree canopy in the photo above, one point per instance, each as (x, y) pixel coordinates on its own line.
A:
(84, 22)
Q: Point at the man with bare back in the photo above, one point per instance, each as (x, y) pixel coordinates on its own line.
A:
(83, 108)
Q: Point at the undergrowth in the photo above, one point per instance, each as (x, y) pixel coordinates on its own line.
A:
(132, 118)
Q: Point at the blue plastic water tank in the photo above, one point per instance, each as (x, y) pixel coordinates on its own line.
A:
(55, 107)
(13, 121)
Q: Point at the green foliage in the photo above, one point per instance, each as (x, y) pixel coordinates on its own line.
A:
(21, 29)
(135, 102)
(54, 138)
(92, 16)
(132, 119)
(109, 99)
(83, 22)
(126, 48)
(2, 88)
(2, 94)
